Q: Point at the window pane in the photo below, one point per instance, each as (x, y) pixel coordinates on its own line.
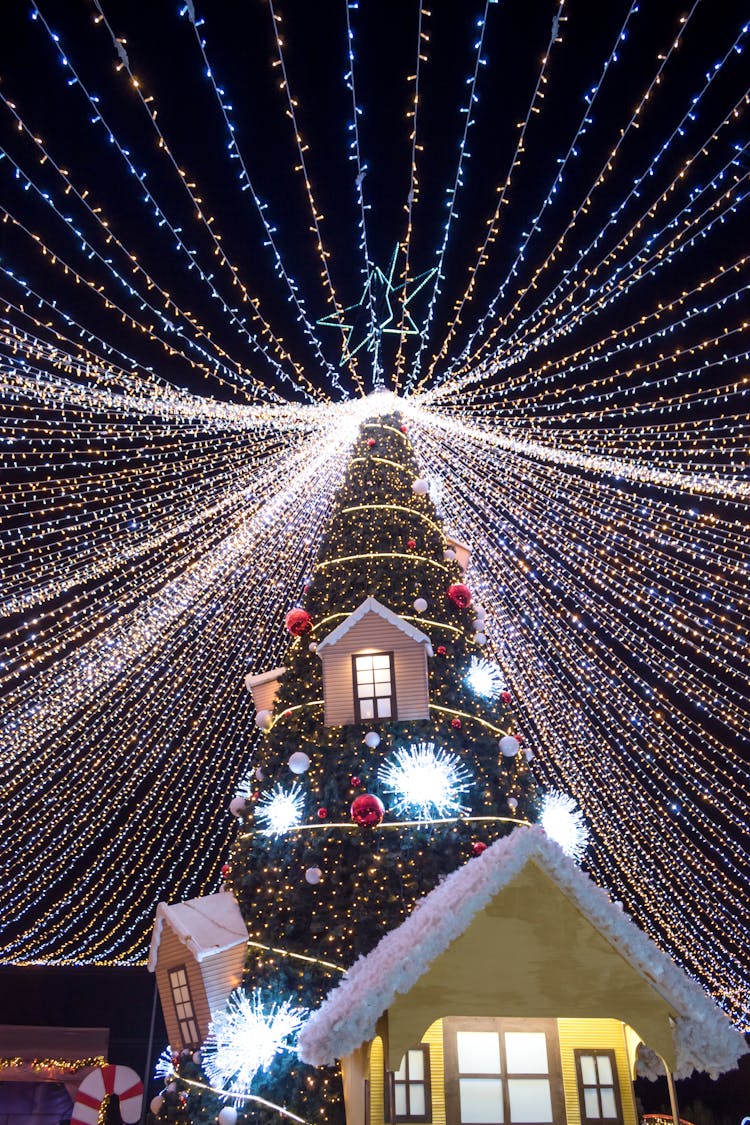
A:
(364, 683)
(588, 1070)
(591, 1103)
(366, 709)
(384, 688)
(604, 1065)
(478, 1052)
(363, 661)
(382, 675)
(416, 1066)
(383, 661)
(416, 1100)
(609, 1105)
(526, 1052)
(530, 1100)
(401, 1072)
(481, 1100)
(384, 709)
(400, 1099)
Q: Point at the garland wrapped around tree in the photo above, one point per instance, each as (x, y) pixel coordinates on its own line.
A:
(385, 809)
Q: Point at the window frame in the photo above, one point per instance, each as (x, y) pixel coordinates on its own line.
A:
(394, 706)
(499, 1025)
(185, 1023)
(578, 1053)
(426, 1082)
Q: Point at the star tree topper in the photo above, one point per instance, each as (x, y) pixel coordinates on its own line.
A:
(360, 329)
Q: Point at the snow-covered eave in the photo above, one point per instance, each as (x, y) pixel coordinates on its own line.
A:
(372, 605)
(703, 1036)
(255, 679)
(229, 935)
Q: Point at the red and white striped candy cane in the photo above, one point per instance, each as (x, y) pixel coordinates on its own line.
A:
(98, 1085)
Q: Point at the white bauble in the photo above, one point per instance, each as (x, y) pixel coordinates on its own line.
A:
(264, 720)
(420, 605)
(372, 739)
(172, 1088)
(480, 612)
(512, 804)
(449, 555)
(227, 1115)
(312, 647)
(237, 806)
(480, 638)
(259, 773)
(313, 875)
(420, 486)
(299, 762)
(156, 1104)
(479, 625)
(528, 754)
(197, 1057)
(509, 746)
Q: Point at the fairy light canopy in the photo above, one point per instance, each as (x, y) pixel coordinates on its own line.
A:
(191, 209)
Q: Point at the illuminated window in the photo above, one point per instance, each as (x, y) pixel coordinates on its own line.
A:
(502, 1071)
(411, 1087)
(374, 686)
(598, 1092)
(183, 1005)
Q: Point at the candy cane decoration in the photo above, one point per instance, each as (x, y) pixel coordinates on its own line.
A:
(98, 1085)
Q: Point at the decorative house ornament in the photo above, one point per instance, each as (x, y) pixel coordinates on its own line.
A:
(374, 668)
(264, 687)
(198, 952)
(517, 965)
(461, 551)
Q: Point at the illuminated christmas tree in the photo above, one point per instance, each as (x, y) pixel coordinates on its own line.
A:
(391, 757)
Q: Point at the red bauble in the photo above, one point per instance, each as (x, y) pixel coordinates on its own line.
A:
(298, 622)
(478, 847)
(456, 724)
(460, 595)
(367, 810)
(505, 696)
(411, 544)
(356, 782)
(322, 814)
(403, 429)
(225, 870)
(371, 441)
(441, 650)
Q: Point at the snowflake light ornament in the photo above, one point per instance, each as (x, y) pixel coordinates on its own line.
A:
(563, 822)
(164, 1066)
(427, 783)
(484, 678)
(246, 1037)
(281, 809)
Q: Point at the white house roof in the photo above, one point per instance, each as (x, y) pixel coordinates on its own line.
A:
(372, 605)
(451, 538)
(704, 1038)
(255, 680)
(205, 925)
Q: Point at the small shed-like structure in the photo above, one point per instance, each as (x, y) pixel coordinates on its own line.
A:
(515, 991)
(198, 954)
(374, 668)
(264, 687)
(462, 550)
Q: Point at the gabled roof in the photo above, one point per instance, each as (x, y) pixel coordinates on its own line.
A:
(703, 1037)
(371, 605)
(256, 679)
(451, 538)
(205, 925)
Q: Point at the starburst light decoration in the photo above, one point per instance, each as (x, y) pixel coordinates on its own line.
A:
(164, 1066)
(484, 678)
(564, 823)
(281, 809)
(246, 1037)
(426, 782)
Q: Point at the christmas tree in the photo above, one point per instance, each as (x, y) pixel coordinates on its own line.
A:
(347, 824)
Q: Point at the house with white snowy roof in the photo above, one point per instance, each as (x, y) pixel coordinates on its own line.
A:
(516, 991)
(374, 668)
(197, 952)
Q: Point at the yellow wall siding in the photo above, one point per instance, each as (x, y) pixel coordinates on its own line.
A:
(172, 954)
(264, 695)
(377, 1081)
(410, 668)
(222, 972)
(433, 1037)
(585, 1034)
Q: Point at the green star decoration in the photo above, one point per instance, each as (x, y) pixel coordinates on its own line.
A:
(360, 329)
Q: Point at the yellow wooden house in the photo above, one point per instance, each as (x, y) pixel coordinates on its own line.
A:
(516, 992)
